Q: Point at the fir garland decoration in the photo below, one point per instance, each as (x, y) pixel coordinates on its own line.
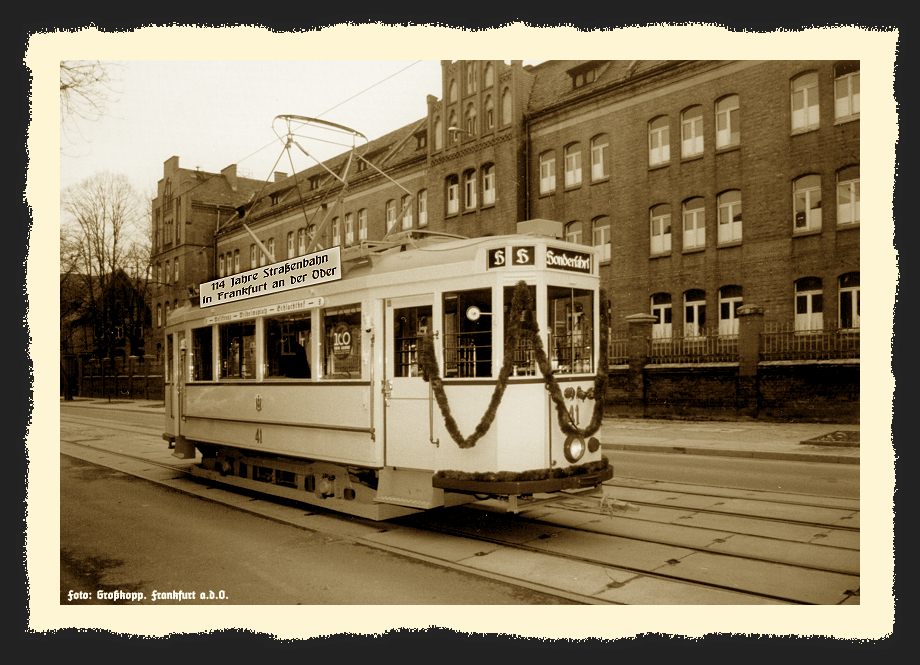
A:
(521, 321)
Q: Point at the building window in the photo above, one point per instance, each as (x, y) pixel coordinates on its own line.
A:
(599, 157)
(805, 102)
(506, 107)
(220, 266)
(846, 89)
(301, 241)
(659, 146)
(601, 235)
(453, 194)
(159, 316)
(694, 312)
(691, 132)
(452, 91)
(729, 302)
(390, 213)
(488, 184)
(176, 271)
(728, 122)
(490, 112)
(406, 204)
(470, 119)
(661, 229)
(362, 224)
(849, 300)
(421, 140)
(573, 232)
(469, 189)
(807, 196)
(661, 310)
(423, 208)
(311, 234)
(452, 136)
(489, 76)
(809, 304)
(252, 256)
(470, 78)
(548, 172)
(160, 273)
(290, 245)
(236, 260)
(695, 223)
(573, 165)
(336, 231)
(438, 134)
(730, 216)
(349, 229)
(168, 272)
(848, 195)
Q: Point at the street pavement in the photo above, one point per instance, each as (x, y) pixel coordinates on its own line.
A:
(754, 439)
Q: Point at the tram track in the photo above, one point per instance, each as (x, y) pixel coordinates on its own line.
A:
(575, 549)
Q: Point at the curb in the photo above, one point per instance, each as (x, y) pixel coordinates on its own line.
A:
(727, 452)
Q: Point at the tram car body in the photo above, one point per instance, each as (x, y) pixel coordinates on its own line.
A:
(324, 394)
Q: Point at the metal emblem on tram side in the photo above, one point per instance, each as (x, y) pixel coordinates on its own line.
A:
(258, 402)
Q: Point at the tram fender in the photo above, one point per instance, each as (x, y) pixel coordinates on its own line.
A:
(184, 449)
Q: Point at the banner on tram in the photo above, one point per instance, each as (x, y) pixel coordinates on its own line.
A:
(308, 270)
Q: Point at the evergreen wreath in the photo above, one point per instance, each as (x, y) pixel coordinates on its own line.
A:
(521, 323)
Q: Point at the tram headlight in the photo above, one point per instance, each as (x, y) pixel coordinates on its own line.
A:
(574, 448)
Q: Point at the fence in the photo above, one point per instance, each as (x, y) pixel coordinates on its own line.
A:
(131, 378)
(706, 347)
(783, 342)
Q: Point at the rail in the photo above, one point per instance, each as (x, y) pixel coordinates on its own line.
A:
(708, 346)
(783, 342)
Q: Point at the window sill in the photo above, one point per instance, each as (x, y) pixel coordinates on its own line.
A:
(728, 148)
(486, 206)
(451, 215)
(849, 225)
(547, 193)
(660, 255)
(805, 130)
(601, 181)
(693, 250)
(731, 243)
(691, 158)
(572, 188)
(846, 119)
(807, 232)
(656, 167)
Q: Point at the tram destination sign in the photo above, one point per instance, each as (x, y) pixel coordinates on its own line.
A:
(307, 270)
(565, 259)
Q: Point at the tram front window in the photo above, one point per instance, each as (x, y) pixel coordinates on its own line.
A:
(342, 342)
(287, 340)
(524, 359)
(409, 324)
(238, 351)
(468, 333)
(202, 357)
(571, 339)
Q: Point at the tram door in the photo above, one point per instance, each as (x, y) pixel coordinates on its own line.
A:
(406, 394)
(180, 378)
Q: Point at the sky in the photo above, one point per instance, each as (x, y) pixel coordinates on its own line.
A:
(215, 113)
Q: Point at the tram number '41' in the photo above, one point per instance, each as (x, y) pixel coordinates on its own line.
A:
(516, 256)
(258, 435)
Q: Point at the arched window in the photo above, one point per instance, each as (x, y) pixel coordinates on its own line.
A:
(659, 146)
(694, 223)
(362, 224)
(661, 310)
(846, 89)
(488, 184)
(573, 232)
(848, 195)
(301, 241)
(601, 235)
(729, 302)
(270, 246)
(694, 312)
(573, 165)
(391, 213)
(809, 304)
(311, 234)
(236, 260)
(168, 272)
(470, 118)
(452, 91)
(490, 112)
(349, 229)
(469, 189)
(506, 107)
(452, 136)
(336, 231)
(599, 157)
(691, 132)
(807, 203)
(423, 208)
(291, 252)
(220, 266)
(728, 122)
(849, 300)
(452, 187)
(805, 113)
(438, 133)
(470, 78)
(730, 216)
(548, 172)
(253, 259)
(407, 220)
(159, 316)
(661, 229)
(489, 76)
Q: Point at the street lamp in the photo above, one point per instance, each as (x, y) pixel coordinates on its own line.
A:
(461, 131)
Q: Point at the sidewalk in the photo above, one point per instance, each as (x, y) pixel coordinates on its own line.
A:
(759, 440)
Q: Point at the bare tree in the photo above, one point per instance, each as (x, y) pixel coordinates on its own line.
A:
(87, 87)
(103, 224)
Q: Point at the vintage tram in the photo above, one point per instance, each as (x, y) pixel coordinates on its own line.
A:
(436, 371)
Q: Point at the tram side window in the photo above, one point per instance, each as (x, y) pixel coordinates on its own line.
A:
(202, 354)
(524, 359)
(409, 325)
(468, 333)
(288, 346)
(342, 342)
(571, 317)
(169, 358)
(238, 351)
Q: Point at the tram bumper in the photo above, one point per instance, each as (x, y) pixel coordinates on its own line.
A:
(494, 484)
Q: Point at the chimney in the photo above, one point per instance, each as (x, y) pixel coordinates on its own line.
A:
(230, 174)
(279, 176)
